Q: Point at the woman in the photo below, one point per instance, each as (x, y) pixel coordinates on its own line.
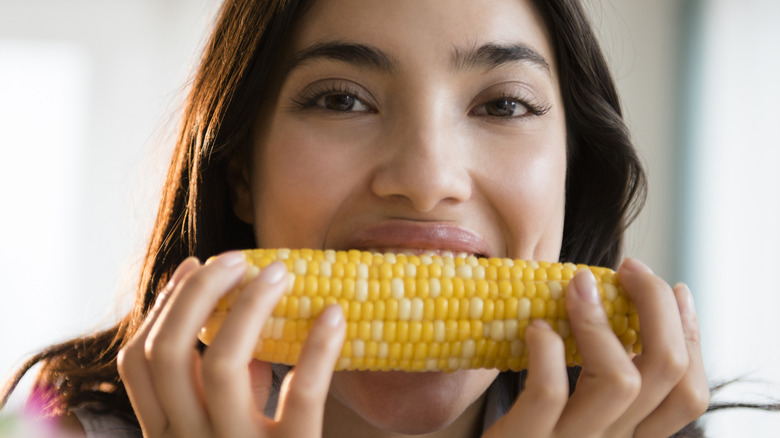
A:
(494, 130)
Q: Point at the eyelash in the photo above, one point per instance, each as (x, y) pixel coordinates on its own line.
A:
(533, 108)
(311, 96)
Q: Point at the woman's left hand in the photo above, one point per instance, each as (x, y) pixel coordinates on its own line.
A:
(654, 395)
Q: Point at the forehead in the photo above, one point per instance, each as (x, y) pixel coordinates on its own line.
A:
(423, 31)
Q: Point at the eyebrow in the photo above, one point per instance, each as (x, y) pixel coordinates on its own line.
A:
(353, 53)
(487, 56)
(490, 56)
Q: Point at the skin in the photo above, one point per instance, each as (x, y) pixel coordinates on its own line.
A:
(418, 152)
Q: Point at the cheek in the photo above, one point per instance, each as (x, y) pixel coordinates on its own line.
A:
(299, 182)
(531, 194)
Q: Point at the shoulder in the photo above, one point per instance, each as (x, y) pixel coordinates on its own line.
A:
(69, 426)
(83, 423)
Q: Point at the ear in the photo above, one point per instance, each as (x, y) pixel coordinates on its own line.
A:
(239, 183)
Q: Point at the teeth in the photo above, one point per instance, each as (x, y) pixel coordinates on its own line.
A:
(420, 251)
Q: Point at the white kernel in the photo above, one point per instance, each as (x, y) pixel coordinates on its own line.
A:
(434, 289)
(516, 348)
(283, 253)
(278, 329)
(299, 267)
(304, 307)
(325, 269)
(410, 270)
(523, 308)
(439, 331)
(448, 271)
(397, 288)
(390, 258)
(478, 272)
(432, 364)
(426, 259)
(417, 309)
(344, 363)
(453, 363)
(463, 271)
(472, 260)
(476, 308)
(251, 272)
(610, 292)
(497, 330)
(469, 349)
(358, 348)
(268, 328)
(361, 290)
(564, 329)
(330, 255)
(404, 309)
(383, 350)
(362, 270)
(556, 290)
(377, 330)
(290, 282)
(510, 326)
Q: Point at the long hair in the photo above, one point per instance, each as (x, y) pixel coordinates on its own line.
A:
(605, 183)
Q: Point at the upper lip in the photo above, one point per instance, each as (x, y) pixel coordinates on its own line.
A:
(418, 235)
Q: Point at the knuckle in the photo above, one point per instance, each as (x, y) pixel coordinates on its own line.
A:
(218, 370)
(161, 353)
(697, 401)
(626, 382)
(672, 365)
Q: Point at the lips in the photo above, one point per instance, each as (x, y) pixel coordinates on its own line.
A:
(418, 238)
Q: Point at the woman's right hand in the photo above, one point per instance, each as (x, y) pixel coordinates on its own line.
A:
(177, 392)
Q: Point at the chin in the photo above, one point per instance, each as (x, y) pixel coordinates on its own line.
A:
(410, 403)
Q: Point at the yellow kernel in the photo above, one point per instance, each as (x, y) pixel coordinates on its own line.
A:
(538, 308)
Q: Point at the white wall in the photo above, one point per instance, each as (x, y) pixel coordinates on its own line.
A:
(88, 95)
(709, 138)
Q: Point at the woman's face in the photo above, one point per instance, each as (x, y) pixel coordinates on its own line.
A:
(412, 125)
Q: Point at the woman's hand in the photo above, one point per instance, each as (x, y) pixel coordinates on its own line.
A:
(652, 395)
(176, 392)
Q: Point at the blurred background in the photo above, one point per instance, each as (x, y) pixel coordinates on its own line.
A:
(90, 93)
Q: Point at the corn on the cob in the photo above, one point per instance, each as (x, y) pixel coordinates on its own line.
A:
(424, 313)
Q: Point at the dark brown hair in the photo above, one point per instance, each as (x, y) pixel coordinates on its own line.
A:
(605, 183)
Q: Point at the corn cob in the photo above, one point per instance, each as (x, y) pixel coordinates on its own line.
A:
(424, 312)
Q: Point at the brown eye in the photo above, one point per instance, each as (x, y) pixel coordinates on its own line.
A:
(503, 108)
(341, 102)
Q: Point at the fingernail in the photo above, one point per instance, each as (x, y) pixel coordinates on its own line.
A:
(275, 272)
(688, 307)
(231, 258)
(634, 265)
(540, 324)
(585, 287)
(332, 315)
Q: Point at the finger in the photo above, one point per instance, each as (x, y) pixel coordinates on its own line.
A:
(546, 390)
(664, 359)
(691, 397)
(261, 381)
(305, 389)
(131, 361)
(226, 380)
(172, 340)
(609, 382)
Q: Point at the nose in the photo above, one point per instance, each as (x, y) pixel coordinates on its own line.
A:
(425, 163)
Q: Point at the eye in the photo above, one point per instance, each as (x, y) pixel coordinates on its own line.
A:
(502, 107)
(335, 96)
(340, 102)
